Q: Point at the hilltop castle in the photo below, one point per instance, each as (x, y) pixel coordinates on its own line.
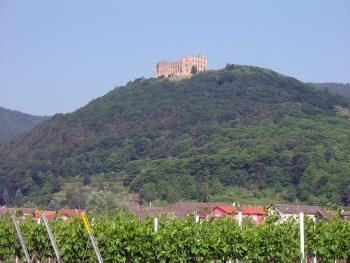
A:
(181, 68)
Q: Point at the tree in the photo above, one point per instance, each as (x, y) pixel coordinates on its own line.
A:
(52, 206)
(230, 67)
(148, 193)
(299, 165)
(86, 180)
(19, 198)
(19, 212)
(100, 203)
(194, 70)
(215, 186)
(169, 191)
(76, 198)
(346, 195)
(188, 186)
(55, 184)
(203, 192)
(132, 170)
(5, 197)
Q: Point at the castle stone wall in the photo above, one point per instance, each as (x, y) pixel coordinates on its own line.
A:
(181, 68)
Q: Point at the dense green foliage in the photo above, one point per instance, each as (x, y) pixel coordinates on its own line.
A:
(124, 238)
(339, 88)
(241, 126)
(14, 123)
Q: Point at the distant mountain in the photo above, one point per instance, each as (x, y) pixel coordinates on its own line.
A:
(339, 88)
(247, 128)
(13, 123)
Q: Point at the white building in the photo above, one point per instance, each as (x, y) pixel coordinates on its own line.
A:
(292, 211)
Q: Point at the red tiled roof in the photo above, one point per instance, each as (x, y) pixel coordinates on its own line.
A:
(13, 210)
(26, 210)
(4, 210)
(50, 214)
(229, 209)
(252, 210)
(70, 212)
(182, 209)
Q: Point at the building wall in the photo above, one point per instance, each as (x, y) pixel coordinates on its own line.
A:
(181, 68)
(257, 218)
(216, 213)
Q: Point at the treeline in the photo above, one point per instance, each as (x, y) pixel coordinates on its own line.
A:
(294, 158)
(340, 88)
(240, 126)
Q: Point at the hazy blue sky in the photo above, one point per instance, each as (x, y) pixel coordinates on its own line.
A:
(55, 56)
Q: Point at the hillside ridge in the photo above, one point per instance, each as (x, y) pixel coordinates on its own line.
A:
(207, 137)
(339, 88)
(15, 122)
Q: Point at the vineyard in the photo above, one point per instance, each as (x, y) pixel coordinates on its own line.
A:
(125, 238)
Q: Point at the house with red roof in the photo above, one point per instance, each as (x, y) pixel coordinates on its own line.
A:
(62, 214)
(26, 212)
(178, 210)
(67, 213)
(255, 213)
(221, 210)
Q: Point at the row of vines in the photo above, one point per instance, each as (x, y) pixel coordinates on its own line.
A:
(125, 238)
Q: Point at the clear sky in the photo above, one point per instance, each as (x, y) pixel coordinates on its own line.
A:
(55, 56)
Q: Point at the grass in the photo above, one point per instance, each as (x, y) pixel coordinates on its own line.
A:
(244, 196)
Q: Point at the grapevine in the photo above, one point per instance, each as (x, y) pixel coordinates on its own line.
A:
(125, 238)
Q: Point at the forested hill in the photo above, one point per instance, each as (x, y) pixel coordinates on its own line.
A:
(339, 88)
(13, 123)
(243, 127)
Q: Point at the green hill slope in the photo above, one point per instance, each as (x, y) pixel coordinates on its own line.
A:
(237, 128)
(14, 123)
(339, 88)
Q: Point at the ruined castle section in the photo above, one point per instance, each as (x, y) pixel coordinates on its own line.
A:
(181, 68)
(187, 62)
